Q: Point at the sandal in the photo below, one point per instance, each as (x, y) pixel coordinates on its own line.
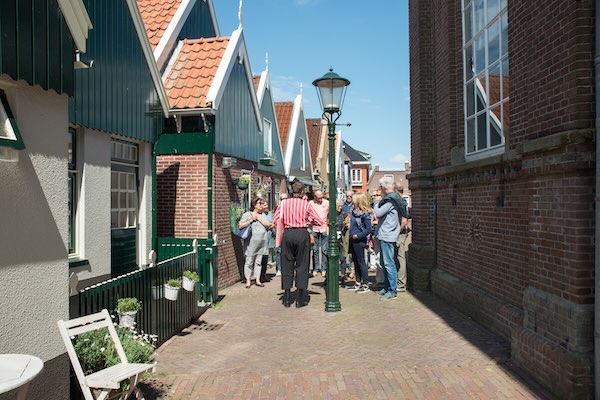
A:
(247, 286)
(260, 284)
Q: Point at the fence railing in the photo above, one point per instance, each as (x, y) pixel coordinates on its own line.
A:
(207, 262)
(158, 315)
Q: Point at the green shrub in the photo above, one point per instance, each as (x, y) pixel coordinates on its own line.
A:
(96, 350)
(128, 304)
(192, 276)
(244, 179)
(174, 283)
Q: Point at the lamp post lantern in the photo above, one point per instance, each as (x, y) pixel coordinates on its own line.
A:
(331, 89)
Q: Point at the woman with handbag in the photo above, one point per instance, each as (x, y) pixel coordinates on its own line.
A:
(360, 228)
(258, 242)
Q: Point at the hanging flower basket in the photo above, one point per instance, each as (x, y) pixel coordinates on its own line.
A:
(243, 182)
(172, 289)
(158, 292)
(189, 279)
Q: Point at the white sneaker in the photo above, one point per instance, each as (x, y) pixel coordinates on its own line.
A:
(323, 274)
(278, 273)
(354, 288)
(363, 289)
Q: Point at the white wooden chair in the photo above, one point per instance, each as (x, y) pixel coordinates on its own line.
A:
(108, 379)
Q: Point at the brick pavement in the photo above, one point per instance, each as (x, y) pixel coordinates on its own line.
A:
(250, 347)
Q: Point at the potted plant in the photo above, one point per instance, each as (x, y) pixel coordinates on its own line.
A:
(172, 289)
(243, 182)
(127, 309)
(190, 278)
(96, 350)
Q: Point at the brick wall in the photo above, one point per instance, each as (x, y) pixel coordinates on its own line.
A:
(225, 192)
(489, 232)
(181, 195)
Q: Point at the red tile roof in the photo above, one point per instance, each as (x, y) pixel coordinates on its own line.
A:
(314, 137)
(157, 14)
(192, 74)
(284, 111)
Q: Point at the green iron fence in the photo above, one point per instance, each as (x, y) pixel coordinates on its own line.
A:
(158, 315)
(206, 267)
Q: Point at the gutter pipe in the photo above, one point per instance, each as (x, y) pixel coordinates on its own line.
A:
(597, 200)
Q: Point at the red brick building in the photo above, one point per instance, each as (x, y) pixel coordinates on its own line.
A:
(503, 183)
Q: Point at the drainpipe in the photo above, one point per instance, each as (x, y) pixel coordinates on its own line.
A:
(597, 224)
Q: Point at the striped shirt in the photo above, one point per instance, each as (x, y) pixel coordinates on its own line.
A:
(296, 213)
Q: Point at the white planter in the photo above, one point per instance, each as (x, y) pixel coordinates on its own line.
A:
(188, 284)
(171, 292)
(127, 319)
(158, 292)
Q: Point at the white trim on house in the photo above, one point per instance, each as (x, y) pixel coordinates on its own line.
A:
(263, 84)
(291, 137)
(164, 46)
(78, 21)
(236, 50)
(172, 61)
(138, 23)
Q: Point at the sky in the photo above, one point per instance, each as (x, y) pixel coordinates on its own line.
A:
(366, 44)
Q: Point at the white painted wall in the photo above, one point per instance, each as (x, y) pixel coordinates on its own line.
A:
(33, 230)
(145, 213)
(93, 214)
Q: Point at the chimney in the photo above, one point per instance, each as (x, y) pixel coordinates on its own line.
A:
(376, 168)
(407, 166)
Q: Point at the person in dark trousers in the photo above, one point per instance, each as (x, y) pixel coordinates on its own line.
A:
(360, 228)
(297, 215)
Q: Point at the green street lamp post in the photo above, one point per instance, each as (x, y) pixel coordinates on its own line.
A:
(331, 89)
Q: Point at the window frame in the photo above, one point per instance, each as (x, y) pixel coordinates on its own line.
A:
(268, 137)
(303, 151)
(74, 174)
(471, 112)
(7, 118)
(124, 162)
(358, 173)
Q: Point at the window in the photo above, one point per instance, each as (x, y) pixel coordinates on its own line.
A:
(391, 177)
(486, 76)
(123, 185)
(302, 150)
(268, 137)
(73, 190)
(9, 132)
(356, 176)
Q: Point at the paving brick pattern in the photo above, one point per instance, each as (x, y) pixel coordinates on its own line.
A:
(415, 347)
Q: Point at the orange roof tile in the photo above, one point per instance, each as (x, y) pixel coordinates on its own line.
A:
(193, 71)
(284, 111)
(157, 14)
(256, 79)
(314, 137)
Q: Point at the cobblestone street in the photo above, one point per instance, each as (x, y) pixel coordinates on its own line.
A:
(250, 347)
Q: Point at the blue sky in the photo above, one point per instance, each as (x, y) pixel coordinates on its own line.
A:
(367, 45)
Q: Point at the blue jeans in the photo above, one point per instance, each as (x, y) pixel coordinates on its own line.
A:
(278, 259)
(320, 246)
(389, 267)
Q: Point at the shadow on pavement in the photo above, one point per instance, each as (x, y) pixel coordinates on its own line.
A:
(493, 345)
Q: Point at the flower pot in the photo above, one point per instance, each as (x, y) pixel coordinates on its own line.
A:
(188, 284)
(158, 292)
(127, 319)
(242, 186)
(171, 292)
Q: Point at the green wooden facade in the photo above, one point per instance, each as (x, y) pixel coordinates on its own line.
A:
(236, 132)
(116, 94)
(198, 24)
(296, 162)
(36, 45)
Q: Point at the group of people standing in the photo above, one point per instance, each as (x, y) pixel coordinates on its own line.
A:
(299, 225)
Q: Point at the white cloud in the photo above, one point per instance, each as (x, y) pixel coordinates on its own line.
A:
(285, 88)
(400, 159)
